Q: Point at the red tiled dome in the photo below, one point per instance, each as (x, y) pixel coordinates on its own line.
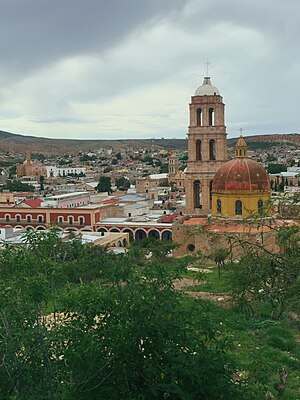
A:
(241, 174)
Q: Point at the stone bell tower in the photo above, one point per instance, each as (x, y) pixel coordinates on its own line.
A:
(207, 147)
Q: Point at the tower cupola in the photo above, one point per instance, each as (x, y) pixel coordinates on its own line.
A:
(241, 148)
(207, 89)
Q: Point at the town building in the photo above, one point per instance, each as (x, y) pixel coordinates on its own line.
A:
(113, 241)
(145, 184)
(53, 172)
(29, 168)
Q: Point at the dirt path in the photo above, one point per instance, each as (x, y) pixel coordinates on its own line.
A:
(181, 284)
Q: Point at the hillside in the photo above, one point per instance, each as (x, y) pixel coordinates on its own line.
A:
(20, 143)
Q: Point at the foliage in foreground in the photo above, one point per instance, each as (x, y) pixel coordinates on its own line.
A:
(267, 283)
(77, 322)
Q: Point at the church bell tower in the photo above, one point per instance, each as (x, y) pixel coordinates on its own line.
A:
(207, 146)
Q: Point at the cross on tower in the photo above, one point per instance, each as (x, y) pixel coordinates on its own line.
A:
(241, 131)
(207, 64)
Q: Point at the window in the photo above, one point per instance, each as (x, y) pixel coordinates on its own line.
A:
(197, 195)
(18, 218)
(60, 220)
(28, 218)
(211, 117)
(198, 150)
(7, 218)
(40, 219)
(212, 149)
(199, 117)
(70, 220)
(219, 206)
(190, 247)
(238, 207)
(81, 221)
(210, 194)
(260, 205)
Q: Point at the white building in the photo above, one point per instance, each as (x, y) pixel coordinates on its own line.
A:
(53, 171)
(67, 200)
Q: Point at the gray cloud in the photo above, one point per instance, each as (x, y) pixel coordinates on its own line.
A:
(35, 33)
(121, 68)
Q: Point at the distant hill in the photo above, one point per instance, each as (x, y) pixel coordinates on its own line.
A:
(20, 143)
(269, 140)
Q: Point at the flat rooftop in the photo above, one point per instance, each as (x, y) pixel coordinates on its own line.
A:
(66, 195)
(235, 226)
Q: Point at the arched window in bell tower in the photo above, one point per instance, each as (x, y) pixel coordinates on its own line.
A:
(197, 194)
(212, 149)
(199, 117)
(198, 150)
(211, 117)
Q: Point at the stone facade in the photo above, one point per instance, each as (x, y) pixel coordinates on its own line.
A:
(145, 184)
(173, 166)
(207, 146)
(202, 235)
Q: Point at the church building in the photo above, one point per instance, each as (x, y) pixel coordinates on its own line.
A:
(213, 185)
(219, 193)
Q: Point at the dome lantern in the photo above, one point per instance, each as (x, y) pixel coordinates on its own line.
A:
(241, 148)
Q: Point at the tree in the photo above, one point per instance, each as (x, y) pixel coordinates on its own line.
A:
(38, 156)
(12, 171)
(122, 183)
(86, 157)
(17, 186)
(219, 256)
(104, 184)
(271, 157)
(42, 181)
(269, 282)
(164, 183)
(164, 168)
(107, 169)
(79, 322)
(276, 168)
(64, 162)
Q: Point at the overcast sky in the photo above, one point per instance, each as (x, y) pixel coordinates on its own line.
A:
(112, 69)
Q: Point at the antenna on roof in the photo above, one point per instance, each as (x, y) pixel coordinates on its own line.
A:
(206, 64)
